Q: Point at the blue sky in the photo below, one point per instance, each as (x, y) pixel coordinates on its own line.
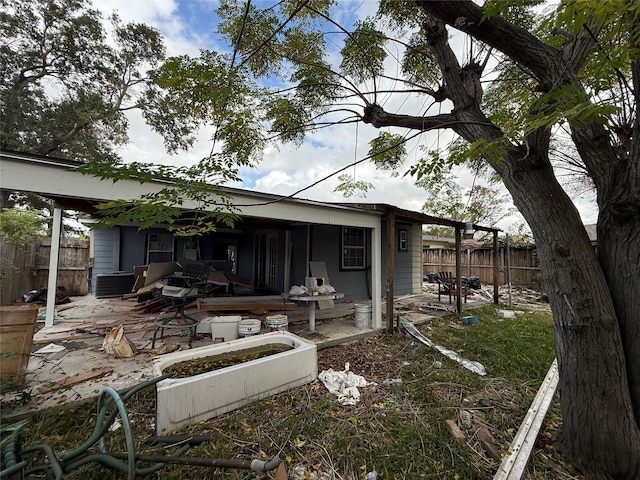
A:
(188, 26)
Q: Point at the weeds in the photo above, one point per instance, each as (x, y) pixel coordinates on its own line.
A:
(398, 430)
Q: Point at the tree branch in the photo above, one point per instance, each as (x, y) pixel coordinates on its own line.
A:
(465, 15)
(376, 116)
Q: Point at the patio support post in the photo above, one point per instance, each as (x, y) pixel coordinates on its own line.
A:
(458, 270)
(52, 287)
(391, 228)
(376, 276)
(496, 267)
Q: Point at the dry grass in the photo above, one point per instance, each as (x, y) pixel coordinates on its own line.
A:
(399, 431)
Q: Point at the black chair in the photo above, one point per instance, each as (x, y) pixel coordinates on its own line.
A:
(181, 291)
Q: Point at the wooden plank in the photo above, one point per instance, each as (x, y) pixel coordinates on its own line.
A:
(78, 378)
(243, 299)
(247, 306)
(67, 338)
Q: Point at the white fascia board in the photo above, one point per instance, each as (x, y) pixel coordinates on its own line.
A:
(53, 179)
(309, 213)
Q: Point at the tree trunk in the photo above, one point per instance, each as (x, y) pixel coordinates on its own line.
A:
(600, 433)
(594, 298)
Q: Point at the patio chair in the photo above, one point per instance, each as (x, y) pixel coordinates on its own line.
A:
(447, 286)
(181, 291)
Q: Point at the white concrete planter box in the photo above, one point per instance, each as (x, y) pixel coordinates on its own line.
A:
(184, 401)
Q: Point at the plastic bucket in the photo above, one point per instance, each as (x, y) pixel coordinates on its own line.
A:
(362, 315)
(249, 327)
(224, 327)
(17, 324)
(277, 323)
(470, 320)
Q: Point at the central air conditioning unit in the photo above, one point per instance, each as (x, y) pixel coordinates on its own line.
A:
(114, 284)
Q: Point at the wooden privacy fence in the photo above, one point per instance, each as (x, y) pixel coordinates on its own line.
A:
(525, 269)
(26, 267)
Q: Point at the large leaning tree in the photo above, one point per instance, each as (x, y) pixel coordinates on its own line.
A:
(523, 73)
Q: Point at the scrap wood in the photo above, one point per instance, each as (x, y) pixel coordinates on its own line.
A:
(488, 443)
(248, 306)
(455, 431)
(281, 472)
(67, 338)
(80, 377)
(153, 305)
(433, 306)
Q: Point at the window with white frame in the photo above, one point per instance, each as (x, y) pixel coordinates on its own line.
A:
(403, 242)
(159, 247)
(353, 248)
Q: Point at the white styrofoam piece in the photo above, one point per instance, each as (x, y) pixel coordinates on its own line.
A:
(185, 401)
(506, 314)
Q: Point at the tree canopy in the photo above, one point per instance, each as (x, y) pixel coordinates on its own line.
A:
(65, 86)
(20, 226)
(480, 205)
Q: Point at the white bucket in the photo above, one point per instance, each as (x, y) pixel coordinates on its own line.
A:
(362, 315)
(277, 323)
(224, 327)
(249, 327)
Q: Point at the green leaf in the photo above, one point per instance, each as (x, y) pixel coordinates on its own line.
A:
(387, 151)
(363, 53)
(350, 187)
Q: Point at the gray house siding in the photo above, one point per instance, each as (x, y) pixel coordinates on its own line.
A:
(134, 246)
(106, 253)
(121, 249)
(325, 246)
(403, 262)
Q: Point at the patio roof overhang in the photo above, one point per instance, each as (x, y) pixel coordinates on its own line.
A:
(60, 181)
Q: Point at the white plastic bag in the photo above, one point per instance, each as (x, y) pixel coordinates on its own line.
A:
(344, 384)
(326, 289)
(298, 290)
